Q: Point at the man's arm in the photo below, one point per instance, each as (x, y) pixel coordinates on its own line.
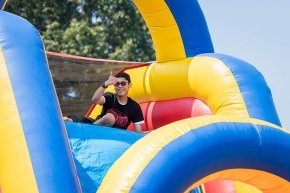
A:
(138, 118)
(137, 127)
(97, 98)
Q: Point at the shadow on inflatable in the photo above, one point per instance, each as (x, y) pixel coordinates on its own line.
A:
(213, 121)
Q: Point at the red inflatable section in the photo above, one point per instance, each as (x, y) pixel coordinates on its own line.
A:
(220, 186)
(160, 113)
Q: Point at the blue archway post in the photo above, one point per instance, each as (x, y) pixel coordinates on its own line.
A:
(33, 95)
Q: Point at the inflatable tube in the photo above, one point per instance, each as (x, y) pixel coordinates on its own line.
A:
(226, 186)
(34, 150)
(178, 28)
(160, 113)
(187, 152)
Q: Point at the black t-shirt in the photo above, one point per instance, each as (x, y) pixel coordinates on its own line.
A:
(124, 114)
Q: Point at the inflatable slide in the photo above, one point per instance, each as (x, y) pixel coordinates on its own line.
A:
(214, 125)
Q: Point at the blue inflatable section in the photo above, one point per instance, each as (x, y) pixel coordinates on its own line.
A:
(37, 105)
(95, 149)
(253, 86)
(192, 26)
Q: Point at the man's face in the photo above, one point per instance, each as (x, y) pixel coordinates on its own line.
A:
(122, 86)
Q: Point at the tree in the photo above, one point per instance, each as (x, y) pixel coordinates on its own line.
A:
(94, 28)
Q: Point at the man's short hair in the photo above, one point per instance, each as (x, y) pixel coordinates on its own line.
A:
(124, 75)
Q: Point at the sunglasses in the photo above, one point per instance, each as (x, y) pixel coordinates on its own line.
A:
(120, 83)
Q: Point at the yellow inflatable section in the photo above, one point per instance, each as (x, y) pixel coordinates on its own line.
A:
(186, 78)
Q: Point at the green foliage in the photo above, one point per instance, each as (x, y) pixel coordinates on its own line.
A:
(93, 28)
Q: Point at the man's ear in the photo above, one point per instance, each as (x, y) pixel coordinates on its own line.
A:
(130, 84)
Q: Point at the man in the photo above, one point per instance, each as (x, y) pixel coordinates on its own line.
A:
(119, 110)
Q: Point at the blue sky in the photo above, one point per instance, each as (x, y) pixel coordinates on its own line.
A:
(257, 32)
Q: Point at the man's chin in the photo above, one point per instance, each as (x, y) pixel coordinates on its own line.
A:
(121, 94)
